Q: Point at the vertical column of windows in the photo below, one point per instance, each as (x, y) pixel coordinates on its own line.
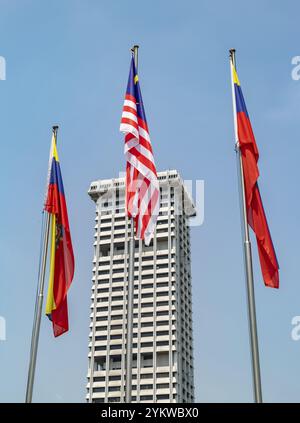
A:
(112, 198)
(172, 355)
(94, 310)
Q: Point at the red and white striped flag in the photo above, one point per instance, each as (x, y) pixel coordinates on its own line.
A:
(142, 186)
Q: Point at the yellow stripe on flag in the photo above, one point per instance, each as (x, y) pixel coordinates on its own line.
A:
(50, 304)
(235, 77)
(54, 149)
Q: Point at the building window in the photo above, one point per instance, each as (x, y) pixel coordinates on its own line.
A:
(162, 284)
(148, 386)
(117, 288)
(163, 257)
(115, 336)
(147, 267)
(99, 379)
(103, 272)
(162, 333)
(146, 398)
(117, 280)
(162, 303)
(114, 388)
(162, 358)
(116, 317)
(113, 399)
(147, 285)
(146, 324)
(99, 389)
(115, 362)
(118, 270)
(147, 295)
(115, 347)
(102, 300)
(105, 229)
(162, 275)
(103, 281)
(146, 344)
(147, 277)
(162, 397)
(146, 376)
(161, 375)
(146, 360)
(161, 230)
(118, 298)
(101, 290)
(162, 313)
(104, 237)
(100, 363)
(162, 386)
(101, 328)
(100, 348)
(162, 343)
(101, 338)
(100, 309)
(145, 305)
(116, 327)
(148, 258)
(104, 251)
(148, 314)
(117, 307)
(162, 323)
(114, 377)
(146, 334)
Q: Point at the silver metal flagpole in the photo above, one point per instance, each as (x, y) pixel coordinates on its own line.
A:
(39, 304)
(247, 256)
(130, 289)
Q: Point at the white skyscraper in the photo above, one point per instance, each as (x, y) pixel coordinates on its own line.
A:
(162, 324)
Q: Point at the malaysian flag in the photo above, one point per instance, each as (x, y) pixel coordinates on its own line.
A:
(142, 186)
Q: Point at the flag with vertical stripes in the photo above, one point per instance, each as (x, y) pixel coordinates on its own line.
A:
(255, 210)
(142, 186)
(61, 251)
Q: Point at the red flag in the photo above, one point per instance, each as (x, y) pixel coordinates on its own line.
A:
(255, 210)
(61, 254)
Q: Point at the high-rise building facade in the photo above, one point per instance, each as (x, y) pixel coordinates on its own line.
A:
(162, 314)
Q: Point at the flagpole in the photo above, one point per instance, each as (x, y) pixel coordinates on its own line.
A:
(130, 292)
(39, 304)
(247, 258)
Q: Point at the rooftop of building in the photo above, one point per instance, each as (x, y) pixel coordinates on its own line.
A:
(102, 186)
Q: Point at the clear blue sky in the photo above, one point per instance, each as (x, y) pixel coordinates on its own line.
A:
(67, 63)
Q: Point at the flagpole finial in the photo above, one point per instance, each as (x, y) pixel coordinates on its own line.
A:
(134, 50)
(232, 52)
(55, 130)
(134, 47)
(232, 55)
